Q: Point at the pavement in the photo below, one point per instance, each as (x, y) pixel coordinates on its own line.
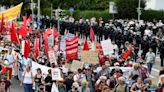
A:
(15, 86)
(155, 69)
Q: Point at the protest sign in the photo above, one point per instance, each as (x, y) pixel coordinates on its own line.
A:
(51, 41)
(90, 57)
(68, 66)
(76, 65)
(52, 57)
(107, 47)
(56, 74)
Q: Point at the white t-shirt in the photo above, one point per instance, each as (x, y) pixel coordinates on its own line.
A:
(27, 77)
(10, 59)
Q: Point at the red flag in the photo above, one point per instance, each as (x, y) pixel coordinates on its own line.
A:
(48, 32)
(7, 25)
(46, 43)
(36, 48)
(27, 49)
(127, 53)
(30, 29)
(56, 34)
(25, 20)
(72, 48)
(86, 47)
(2, 24)
(13, 34)
(29, 19)
(23, 31)
(92, 35)
(4, 70)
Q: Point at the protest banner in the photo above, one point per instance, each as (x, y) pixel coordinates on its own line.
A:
(76, 65)
(63, 40)
(107, 47)
(11, 13)
(52, 57)
(56, 74)
(72, 48)
(90, 57)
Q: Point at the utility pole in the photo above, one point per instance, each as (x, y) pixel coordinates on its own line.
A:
(58, 17)
(38, 10)
(32, 9)
(139, 10)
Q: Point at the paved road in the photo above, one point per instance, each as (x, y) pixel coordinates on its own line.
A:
(155, 70)
(16, 86)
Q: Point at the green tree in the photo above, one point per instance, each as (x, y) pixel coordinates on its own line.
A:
(128, 8)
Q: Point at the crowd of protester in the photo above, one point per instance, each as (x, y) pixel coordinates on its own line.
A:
(145, 39)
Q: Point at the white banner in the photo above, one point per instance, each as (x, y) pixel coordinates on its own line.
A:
(107, 47)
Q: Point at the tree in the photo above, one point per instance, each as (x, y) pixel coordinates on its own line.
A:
(128, 8)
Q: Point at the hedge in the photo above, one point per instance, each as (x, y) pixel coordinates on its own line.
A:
(87, 14)
(147, 15)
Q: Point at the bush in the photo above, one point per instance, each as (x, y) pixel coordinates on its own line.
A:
(149, 15)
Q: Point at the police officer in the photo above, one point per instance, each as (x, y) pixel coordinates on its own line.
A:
(161, 50)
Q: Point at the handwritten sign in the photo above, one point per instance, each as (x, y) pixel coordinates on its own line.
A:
(89, 57)
(52, 57)
(56, 74)
(76, 65)
(107, 47)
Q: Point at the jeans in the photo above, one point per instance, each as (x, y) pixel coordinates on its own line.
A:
(149, 67)
(28, 88)
(37, 86)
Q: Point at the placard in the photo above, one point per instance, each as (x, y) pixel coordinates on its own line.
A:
(56, 74)
(52, 57)
(90, 57)
(76, 65)
(107, 47)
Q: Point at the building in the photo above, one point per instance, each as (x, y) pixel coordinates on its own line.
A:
(155, 4)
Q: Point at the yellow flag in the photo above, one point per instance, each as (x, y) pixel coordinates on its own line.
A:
(11, 13)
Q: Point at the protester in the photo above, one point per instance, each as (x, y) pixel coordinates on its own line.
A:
(107, 73)
(48, 82)
(150, 59)
(121, 86)
(138, 86)
(27, 79)
(38, 78)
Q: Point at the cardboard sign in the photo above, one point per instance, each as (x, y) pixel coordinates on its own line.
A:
(76, 65)
(107, 47)
(90, 57)
(56, 74)
(52, 57)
